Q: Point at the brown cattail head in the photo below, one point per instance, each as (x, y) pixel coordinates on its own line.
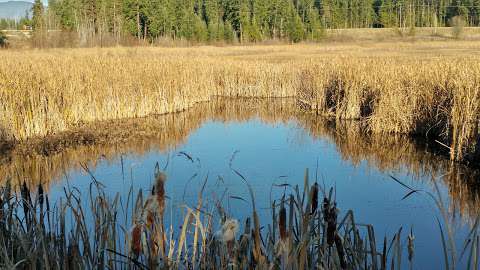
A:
(159, 190)
(330, 218)
(73, 254)
(282, 222)
(314, 196)
(150, 211)
(340, 251)
(326, 209)
(136, 243)
(410, 245)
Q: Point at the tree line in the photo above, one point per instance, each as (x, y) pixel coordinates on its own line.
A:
(242, 20)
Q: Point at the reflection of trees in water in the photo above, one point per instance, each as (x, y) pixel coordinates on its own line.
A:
(51, 158)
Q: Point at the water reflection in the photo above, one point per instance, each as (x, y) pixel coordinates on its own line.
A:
(109, 140)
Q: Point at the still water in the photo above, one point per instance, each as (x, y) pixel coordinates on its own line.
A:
(270, 145)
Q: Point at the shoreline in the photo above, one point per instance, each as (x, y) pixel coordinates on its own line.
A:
(114, 131)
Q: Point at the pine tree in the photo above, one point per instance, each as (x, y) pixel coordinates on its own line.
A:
(200, 32)
(261, 17)
(295, 27)
(38, 24)
(313, 25)
(228, 32)
(64, 11)
(38, 15)
(387, 15)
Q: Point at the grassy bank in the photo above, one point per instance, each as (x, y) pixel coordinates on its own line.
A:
(426, 88)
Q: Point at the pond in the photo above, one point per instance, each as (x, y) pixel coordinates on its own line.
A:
(272, 144)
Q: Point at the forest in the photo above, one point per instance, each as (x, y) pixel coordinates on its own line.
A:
(237, 20)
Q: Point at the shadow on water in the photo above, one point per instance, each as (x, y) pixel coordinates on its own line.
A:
(6, 144)
(52, 158)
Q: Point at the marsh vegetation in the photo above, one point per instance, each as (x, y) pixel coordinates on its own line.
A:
(425, 89)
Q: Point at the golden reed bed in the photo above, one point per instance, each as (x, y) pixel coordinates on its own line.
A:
(426, 88)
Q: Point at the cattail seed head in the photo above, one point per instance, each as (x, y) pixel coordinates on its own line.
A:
(159, 190)
(136, 242)
(282, 222)
(229, 230)
(410, 245)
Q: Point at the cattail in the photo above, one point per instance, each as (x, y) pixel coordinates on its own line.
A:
(410, 245)
(159, 190)
(340, 251)
(314, 196)
(227, 234)
(330, 218)
(136, 242)
(282, 222)
(248, 225)
(160, 179)
(291, 213)
(229, 230)
(150, 211)
(282, 247)
(72, 256)
(257, 240)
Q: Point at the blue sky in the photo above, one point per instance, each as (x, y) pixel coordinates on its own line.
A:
(45, 2)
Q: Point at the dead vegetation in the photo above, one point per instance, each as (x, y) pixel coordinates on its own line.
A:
(426, 88)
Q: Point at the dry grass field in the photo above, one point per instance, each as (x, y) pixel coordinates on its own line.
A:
(428, 88)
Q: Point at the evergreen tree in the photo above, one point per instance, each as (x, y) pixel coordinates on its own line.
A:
(239, 20)
(64, 11)
(38, 15)
(38, 24)
(200, 30)
(295, 27)
(313, 25)
(387, 15)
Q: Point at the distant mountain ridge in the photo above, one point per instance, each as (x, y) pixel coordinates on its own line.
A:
(14, 9)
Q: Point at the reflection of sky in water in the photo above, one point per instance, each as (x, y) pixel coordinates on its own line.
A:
(275, 154)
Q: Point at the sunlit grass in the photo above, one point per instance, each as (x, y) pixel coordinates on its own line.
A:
(425, 88)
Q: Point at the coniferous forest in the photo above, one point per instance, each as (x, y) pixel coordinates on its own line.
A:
(243, 20)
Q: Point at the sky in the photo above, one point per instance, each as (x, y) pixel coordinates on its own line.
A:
(31, 1)
(45, 2)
